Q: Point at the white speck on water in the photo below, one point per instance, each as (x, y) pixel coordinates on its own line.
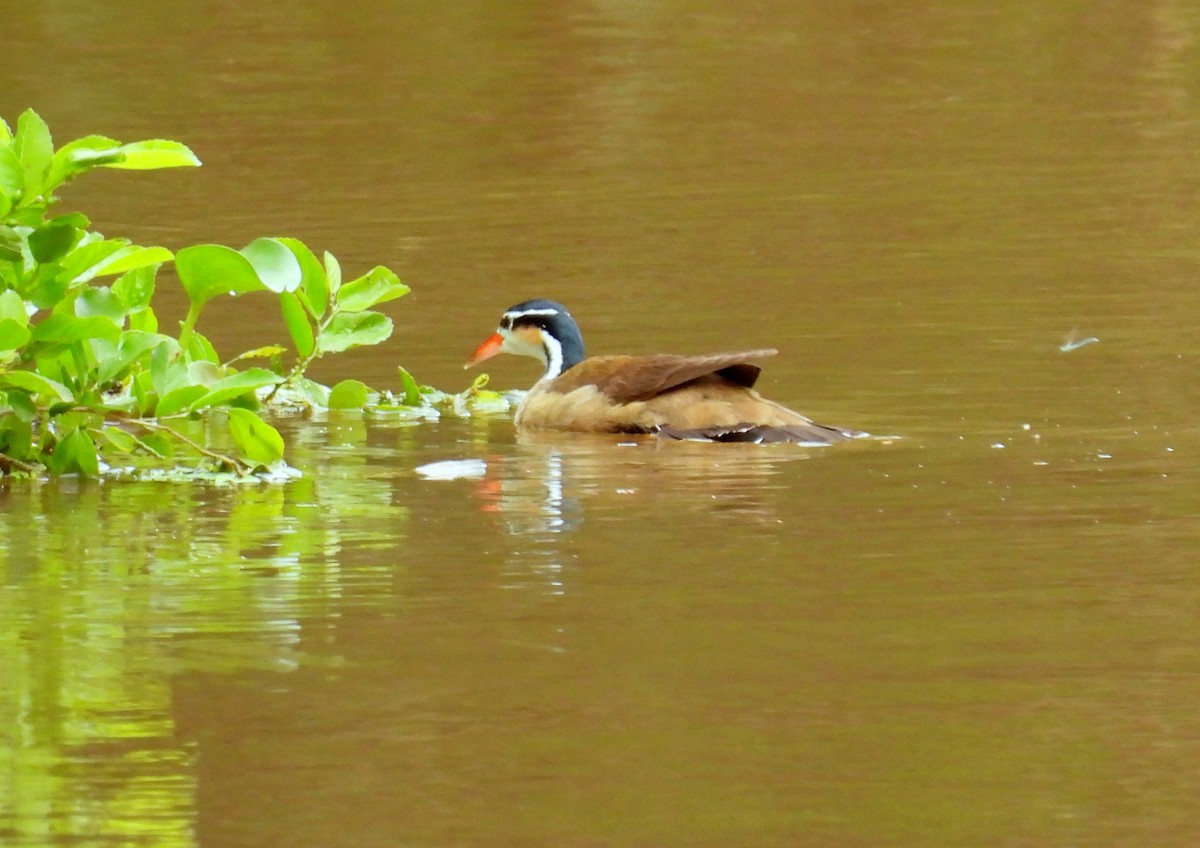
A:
(453, 469)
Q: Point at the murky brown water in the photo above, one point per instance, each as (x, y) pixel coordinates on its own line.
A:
(984, 634)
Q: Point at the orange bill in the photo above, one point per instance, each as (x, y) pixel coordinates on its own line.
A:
(487, 350)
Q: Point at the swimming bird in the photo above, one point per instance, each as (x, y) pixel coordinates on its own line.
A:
(709, 397)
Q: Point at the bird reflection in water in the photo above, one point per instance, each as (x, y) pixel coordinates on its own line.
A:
(552, 480)
(548, 485)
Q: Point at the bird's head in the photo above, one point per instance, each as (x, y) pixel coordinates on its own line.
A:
(541, 329)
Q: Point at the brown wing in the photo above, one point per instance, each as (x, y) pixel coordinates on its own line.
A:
(625, 379)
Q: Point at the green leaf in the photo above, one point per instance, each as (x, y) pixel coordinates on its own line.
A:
(5, 132)
(202, 372)
(378, 285)
(61, 328)
(200, 349)
(354, 329)
(90, 254)
(136, 287)
(333, 272)
(348, 394)
(35, 149)
(314, 284)
(275, 264)
(144, 320)
(22, 405)
(167, 369)
(32, 214)
(16, 436)
(310, 390)
(79, 155)
(12, 178)
(122, 440)
(75, 454)
(237, 385)
(160, 445)
(76, 219)
(179, 398)
(133, 345)
(412, 392)
(132, 257)
(13, 334)
(264, 352)
(100, 302)
(207, 270)
(126, 442)
(12, 306)
(48, 287)
(257, 441)
(10, 244)
(153, 154)
(36, 384)
(297, 323)
(52, 241)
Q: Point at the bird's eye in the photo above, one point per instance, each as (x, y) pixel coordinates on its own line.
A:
(506, 323)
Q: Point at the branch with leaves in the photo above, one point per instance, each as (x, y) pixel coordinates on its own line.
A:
(83, 362)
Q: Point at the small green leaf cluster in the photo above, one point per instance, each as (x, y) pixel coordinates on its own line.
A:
(86, 373)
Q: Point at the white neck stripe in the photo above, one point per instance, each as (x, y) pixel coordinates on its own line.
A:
(554, 356)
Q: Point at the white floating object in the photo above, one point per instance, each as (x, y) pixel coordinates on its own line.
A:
(1074, 342)
(453, 469)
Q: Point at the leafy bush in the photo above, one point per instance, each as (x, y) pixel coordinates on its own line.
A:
(87, 374)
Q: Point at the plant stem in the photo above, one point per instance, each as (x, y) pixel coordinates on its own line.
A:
(189, 325)
(20, 465)
(149, 424)
(302, 366)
